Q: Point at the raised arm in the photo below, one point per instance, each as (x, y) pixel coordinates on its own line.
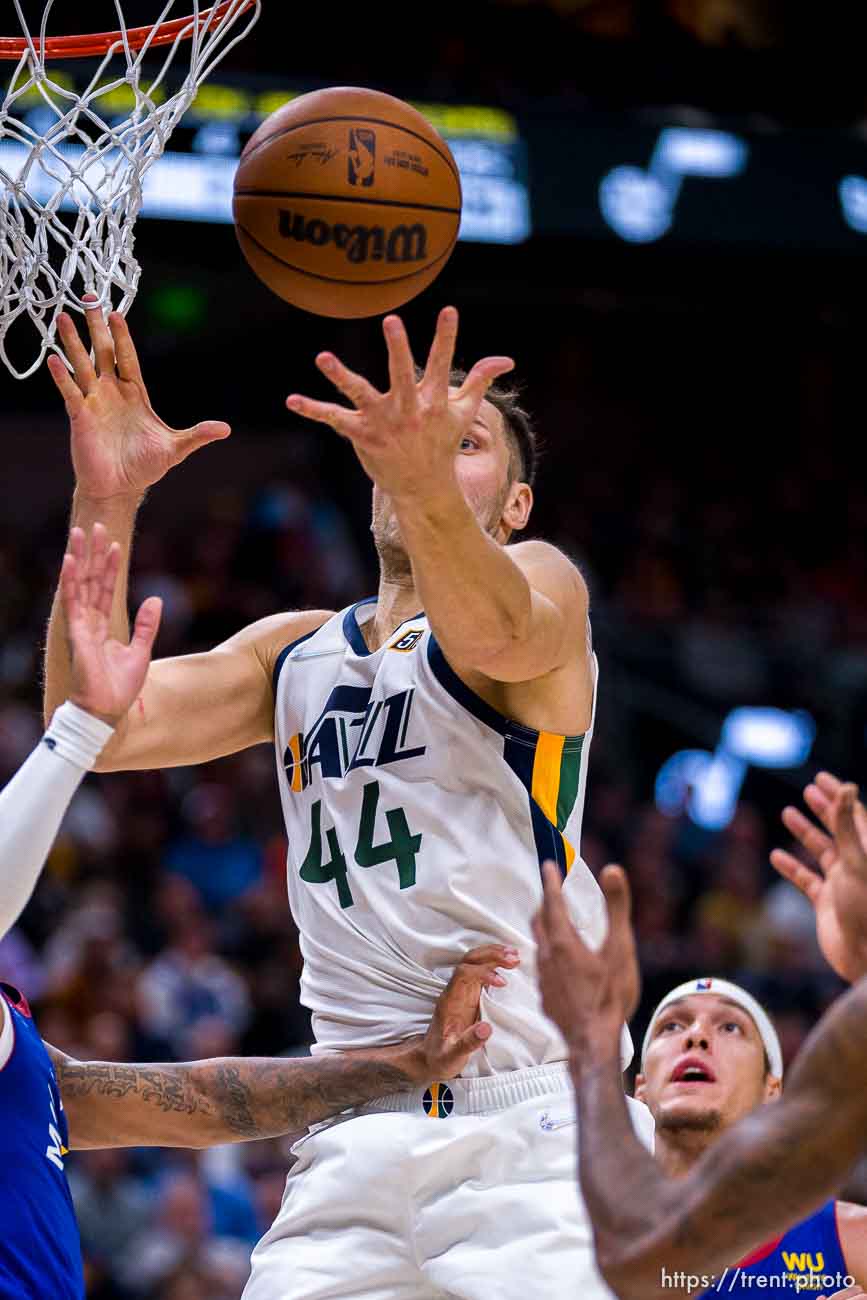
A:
(105, 678)
(513, 614)
(763, 1175)
(195, 707)
(205, 1103)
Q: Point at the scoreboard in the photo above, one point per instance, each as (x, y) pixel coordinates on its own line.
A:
(192, 181)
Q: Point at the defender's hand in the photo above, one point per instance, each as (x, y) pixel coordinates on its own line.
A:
(106, 675)
(586, 993)
(456, 1031)
(838, 890)
(120, 446)
(407, 438)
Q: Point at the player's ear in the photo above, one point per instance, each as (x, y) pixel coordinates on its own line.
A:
(640, 1088)
(518, 505)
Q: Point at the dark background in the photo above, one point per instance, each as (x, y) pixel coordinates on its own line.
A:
(700, 401)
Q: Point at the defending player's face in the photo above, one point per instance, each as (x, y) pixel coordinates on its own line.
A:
(483, 468)
(705, 1065)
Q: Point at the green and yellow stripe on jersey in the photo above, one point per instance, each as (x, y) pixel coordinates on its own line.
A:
(548, 765)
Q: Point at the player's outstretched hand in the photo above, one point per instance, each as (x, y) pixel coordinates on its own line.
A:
(838, 889)
(120, 446)
(456, 1031)
(407, 438)
(848, 1293)
(587, 993)
(106, 675)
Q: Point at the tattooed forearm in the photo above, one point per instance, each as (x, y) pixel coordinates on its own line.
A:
(265, 1098)
(203, 1103)
(765, 1174)
(168, 1087)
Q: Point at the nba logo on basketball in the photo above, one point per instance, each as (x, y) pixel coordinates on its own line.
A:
(438, 1101)
(362, 155)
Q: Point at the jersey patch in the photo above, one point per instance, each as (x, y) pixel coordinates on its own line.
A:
(408, 641)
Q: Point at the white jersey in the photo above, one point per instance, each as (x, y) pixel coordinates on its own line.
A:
(417, 819)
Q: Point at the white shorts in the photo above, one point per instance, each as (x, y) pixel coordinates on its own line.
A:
(467, 1191)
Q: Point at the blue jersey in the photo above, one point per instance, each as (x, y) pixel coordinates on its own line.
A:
(806, 1260)
(40, 1252)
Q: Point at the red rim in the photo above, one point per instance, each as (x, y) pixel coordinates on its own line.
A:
(83, 47)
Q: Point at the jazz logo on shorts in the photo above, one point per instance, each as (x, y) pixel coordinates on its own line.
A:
(362, 156)
(438, 1101)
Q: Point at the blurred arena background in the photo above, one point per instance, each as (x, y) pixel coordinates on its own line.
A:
(666, 225)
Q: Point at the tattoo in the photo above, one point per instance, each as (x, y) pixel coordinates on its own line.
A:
(223, 1100)
(266, 1098)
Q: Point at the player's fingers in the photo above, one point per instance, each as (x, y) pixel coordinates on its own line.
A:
(147, 624)
(845, 832)
(339, 418)
(401, 367)
(467, 1041)
(126, 356)
(77, 353)
(105, 595)
(819, 803)
(814, 840)
(562, 936)
(441, 355)
(77, 546)
(97, 556)
(540, 938)
(618, 898)
(100, 335)
(472, 391)
(793, 870)
(189, 440)
(69, 588)
(488, 954)
(828, 783)
(861, 823)
(66, 386)
(355, 387)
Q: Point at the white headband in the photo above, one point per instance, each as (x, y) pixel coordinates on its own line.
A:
(734, 993)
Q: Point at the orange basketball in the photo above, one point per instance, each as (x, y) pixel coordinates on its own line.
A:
(347, 202)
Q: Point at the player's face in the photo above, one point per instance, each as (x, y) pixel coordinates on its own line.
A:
(483, 468)
(705, 1066)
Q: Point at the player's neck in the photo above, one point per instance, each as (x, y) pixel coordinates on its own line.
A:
(397, 600)
(678, 1151)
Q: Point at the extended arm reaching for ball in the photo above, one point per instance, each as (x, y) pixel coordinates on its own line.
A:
(512, 614)
(194, 707)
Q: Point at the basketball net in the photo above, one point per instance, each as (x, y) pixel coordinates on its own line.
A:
(72, 161)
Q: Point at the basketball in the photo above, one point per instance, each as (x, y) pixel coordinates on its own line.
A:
(347, 202)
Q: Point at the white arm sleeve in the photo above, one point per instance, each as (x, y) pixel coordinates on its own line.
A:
(34, 802)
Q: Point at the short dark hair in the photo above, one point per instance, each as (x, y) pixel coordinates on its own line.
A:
(519, 430)
(517, 424)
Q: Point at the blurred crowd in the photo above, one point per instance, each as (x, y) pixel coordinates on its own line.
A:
(160, 929)
(747, 56)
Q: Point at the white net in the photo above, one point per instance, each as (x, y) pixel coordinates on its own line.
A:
(72, 159)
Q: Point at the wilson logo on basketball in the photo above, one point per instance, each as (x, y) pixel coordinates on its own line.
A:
(401, 243)
(362, 156)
